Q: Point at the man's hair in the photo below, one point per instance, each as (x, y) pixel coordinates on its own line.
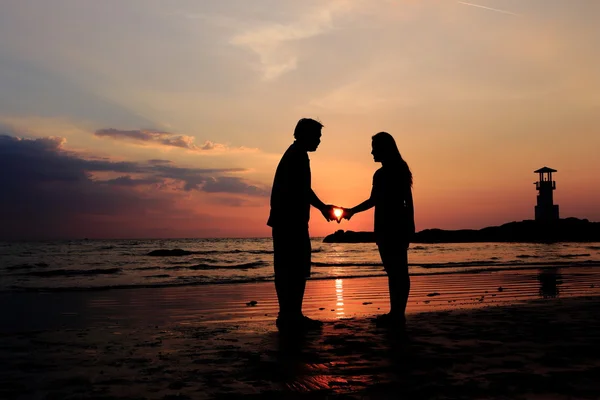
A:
(306, 125)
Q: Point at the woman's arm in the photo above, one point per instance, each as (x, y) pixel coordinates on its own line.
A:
(364, 206)
(410, 208)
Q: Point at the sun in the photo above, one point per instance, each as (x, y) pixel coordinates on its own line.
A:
(338, 212)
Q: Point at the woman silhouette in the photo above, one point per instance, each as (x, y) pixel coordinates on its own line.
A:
(391, 196)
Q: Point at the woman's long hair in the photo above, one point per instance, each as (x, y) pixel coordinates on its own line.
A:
(391, 155)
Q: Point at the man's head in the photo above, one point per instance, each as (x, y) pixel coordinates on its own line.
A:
(308, 133)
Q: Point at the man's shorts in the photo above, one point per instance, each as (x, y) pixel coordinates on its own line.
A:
(291, 248)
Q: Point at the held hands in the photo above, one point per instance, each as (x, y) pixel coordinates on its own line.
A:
(331, 212)
(328, 212)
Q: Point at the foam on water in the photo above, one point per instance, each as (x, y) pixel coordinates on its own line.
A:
(104, 264)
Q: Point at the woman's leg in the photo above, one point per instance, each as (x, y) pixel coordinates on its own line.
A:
(395, 263)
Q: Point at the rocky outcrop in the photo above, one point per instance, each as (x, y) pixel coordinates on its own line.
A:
(563, 230)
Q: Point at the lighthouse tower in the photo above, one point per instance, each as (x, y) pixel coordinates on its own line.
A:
(545, 210)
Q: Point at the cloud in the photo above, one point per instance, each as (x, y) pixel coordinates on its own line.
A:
(229, 184)
(270, 41)
(167, 139)
(197, 178)
(51, 191)
(208, 145)
(489, 8)
(159, 162)
(131, 182)
(149, 136)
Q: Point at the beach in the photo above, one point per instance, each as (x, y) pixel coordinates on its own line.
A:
(530, 334)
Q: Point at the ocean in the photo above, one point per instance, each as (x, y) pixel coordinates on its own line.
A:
(113, 264)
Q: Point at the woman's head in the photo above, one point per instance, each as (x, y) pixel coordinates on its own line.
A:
(385, 148)
(386, 152)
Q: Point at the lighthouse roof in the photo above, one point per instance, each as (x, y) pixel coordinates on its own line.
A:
(545, 169)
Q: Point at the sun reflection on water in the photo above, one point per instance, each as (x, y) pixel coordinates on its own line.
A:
(339, 294)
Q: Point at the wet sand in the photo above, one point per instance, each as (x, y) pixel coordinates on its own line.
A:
(505, 335)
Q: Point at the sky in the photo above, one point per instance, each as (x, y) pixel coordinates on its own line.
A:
(156, 118)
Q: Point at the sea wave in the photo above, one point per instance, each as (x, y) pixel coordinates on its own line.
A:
(183, 253)
(74, 272)
(136, 286)
(204, 266)
(26, 266)
(346, 264)
(467, 264)
(250, 265)
(510, 265)
(240, 279)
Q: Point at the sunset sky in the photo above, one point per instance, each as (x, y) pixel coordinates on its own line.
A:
(167, 118)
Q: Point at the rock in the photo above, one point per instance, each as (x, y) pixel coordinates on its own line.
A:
(527, 231)
(169, 253)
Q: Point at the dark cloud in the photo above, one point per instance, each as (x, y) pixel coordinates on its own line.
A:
(228, 184)
(121, 166)
(26, 161)
(159, 162)
(47, 190)
(231, 201)
(193, 178)
(158, 137)
(131, 182)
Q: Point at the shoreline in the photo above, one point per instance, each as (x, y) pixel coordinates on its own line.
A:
(326, 299)
(540, 349)
(484, 268)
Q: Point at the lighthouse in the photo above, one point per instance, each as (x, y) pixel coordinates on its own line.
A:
(545, 210)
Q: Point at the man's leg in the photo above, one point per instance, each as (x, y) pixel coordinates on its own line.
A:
(282, 287)
(289, 280)
(297, 289)
(292, 254)
(304, 269)
(282, 281)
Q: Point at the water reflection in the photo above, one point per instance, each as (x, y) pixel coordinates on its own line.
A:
(339, 294)
(550, 279)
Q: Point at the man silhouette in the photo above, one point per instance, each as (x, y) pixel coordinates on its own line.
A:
(291, 198)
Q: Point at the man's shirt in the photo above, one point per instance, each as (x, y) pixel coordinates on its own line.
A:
(290, 195)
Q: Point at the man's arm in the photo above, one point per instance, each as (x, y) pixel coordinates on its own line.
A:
(326, 209)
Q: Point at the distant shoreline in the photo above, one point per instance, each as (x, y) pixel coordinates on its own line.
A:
(527, 231)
